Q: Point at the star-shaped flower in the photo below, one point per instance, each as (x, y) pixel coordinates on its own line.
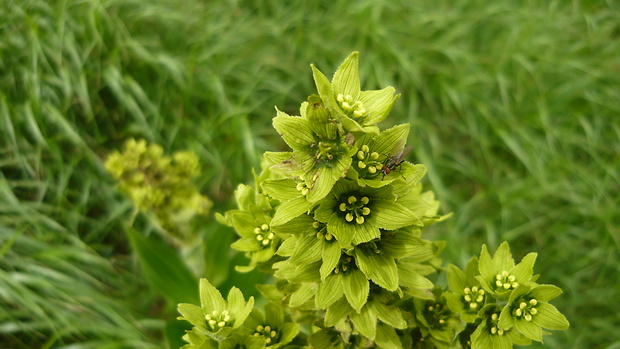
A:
(215, 315)
(499, 275)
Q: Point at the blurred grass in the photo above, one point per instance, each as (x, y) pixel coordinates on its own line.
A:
(514, 109)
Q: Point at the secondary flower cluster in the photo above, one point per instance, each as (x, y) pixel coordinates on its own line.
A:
(159, 184)
(338, 221)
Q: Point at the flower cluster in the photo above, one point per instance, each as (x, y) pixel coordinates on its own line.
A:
(159, 184)
(338, 220)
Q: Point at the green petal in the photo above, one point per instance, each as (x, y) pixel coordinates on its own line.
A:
(456, 279)
(523, 271)
(365, 322)
(502, 259)
(356, 288)
(364, 232)
(331, 257)
(549, 317)
(346, 79)
(288, 331)
(320, 118)
(403, 243)
(323, 86)
(338, 311)
(485, 266)
(306, 273)
(455, 303)
(274, 314)
(339, 228)
(247, 244)
(501, 342)
(545, 293)
(210, 298)
(303, 294)
(309, 249)
(276, 157)
(301, 225)
(329, 291)
(390, 315)
(529, 329)
(295, 131)
(290, 209)
(378, 103)
(380, 268)
(193, 314)
(239, 308)
(410, 278)
(390, 215)
(239, 340)
(506, 320)
(327, 176)
(281, 189)
(287, 248)
(387, 338)
(481, 339)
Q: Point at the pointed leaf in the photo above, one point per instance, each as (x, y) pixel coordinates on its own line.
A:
(290, 209)
(529, 329)
(387, 338)
(545, 293)
(323, 86)
(303, 294)
(390, 315)
(193, 314)
(337, 311)
(295, 131)
(390, 216)
(380, 268)
(365, 322)
(331, 257)
(456, 279)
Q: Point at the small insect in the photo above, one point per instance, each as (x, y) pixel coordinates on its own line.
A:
(397, 155)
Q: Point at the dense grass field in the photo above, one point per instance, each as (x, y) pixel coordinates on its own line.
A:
(514, 107)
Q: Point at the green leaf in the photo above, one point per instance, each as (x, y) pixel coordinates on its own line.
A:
(308, 250)
(164, 269)
(378, 267)
(502, 259)
(356, 288)
(364, 232)
(410, 278)
(288, 332)
(523, 271)
(346, 79)
(549, 317)
(329, 291)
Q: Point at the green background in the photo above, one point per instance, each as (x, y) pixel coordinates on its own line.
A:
(514, 108)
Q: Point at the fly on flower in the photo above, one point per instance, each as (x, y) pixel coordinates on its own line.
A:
(396, 157)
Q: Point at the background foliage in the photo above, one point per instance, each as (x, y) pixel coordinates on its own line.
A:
(513, 104)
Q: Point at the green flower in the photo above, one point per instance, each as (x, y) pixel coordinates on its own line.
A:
(499, 275)
(215, 315)
(528, 311)
(436, 317)
(253, 223)
(198, 339)
(271, 326)
(359, 111)
(467, 296)
(317, 161)
(489, 335)
(355, 214)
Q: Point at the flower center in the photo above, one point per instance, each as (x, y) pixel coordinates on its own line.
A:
(217, 320)
(505, 281)
(344, 264)
(474, 297)
(368, 160)
(495, 330)
(437, 316)
(526, 309)
(264, 235)
(350, 106)
(322, 231)
(355, 207)
(269, 333)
